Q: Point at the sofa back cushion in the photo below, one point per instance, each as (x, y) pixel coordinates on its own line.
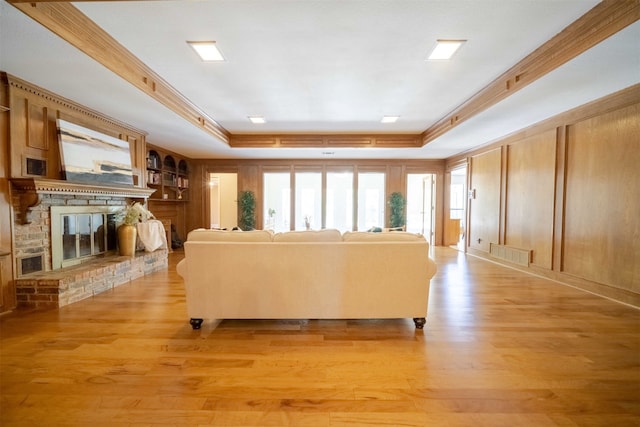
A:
(203, 235)
(328, 235)
(395, 236)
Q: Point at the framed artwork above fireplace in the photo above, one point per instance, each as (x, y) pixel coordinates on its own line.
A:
(92, 157)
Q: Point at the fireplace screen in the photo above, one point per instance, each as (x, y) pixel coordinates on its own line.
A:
(87, 234)
(79, 234)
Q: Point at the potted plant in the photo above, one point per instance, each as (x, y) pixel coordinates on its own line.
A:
(397, 203)
(247, 211)
(127, 232)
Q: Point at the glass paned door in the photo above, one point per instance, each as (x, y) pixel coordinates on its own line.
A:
(84, 235)
(99, 232)
(371, 200)
(339, 202)
(69, 237)
(421, 204)
(457, 208)
(277, 201)
(308, 208)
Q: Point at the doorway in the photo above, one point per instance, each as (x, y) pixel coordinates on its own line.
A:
(456, 229)
(223, 200)
(421, 204)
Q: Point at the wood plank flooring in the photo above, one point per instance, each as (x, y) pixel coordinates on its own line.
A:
(500, 348)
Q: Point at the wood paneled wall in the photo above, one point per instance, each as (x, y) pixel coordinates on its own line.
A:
(566, 189)
(602, 203)
(7, 294)
(250, 178)
(28, 130)
(176, 212)
(33, 132)
(530, 195)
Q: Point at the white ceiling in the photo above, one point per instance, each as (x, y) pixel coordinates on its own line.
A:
(323, 66)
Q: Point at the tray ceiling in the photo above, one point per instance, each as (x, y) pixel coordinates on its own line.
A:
(322, 67)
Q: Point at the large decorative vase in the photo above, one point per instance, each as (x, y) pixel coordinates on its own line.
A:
(127, 240)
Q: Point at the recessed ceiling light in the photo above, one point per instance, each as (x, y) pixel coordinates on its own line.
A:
(207, 51)
(445, 49)
(389, 119)
(257, 120)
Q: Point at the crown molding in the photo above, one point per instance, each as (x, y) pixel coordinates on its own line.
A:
(66, 21)
(324, 141)
(604, 20)
(19, 84)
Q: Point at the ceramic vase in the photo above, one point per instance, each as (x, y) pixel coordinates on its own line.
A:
(127, 240)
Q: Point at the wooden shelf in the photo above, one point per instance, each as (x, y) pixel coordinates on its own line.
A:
(54, 186)
(169, 200)
(31, 190)
(169, 173)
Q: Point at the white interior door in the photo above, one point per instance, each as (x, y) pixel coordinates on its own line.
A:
(223, 197)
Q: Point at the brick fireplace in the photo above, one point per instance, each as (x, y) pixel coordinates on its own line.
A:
(40, 283)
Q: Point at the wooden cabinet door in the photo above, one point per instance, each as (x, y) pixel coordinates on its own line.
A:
(7, 292)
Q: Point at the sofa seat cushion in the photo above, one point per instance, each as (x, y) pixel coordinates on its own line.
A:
(204, 235)
(396, 236)
(327, 235)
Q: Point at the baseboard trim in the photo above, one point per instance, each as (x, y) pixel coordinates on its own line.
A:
(618, 295)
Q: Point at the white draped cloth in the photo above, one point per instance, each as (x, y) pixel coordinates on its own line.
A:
(152, 235)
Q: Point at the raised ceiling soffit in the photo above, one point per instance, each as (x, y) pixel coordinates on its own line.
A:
(62, 18)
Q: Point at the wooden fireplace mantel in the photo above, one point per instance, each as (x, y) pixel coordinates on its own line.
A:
(31, 190)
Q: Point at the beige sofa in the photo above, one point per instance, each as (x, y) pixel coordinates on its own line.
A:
(306, 275)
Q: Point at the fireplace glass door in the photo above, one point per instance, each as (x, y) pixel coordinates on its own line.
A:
(86, 234)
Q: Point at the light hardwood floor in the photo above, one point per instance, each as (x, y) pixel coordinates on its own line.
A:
(500, 348)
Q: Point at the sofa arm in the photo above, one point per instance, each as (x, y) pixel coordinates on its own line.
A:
(181, 269)
(432, 267)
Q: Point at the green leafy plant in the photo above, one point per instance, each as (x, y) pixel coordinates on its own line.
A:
(397, 204)
(247, 211)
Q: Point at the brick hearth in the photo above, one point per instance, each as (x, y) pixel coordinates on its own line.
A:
(64, 286)
(47, 287)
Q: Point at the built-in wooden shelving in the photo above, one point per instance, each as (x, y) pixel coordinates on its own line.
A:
(169, 174)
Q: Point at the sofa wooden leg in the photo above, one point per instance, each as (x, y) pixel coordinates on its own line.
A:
(195, 323)
(419, 321)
